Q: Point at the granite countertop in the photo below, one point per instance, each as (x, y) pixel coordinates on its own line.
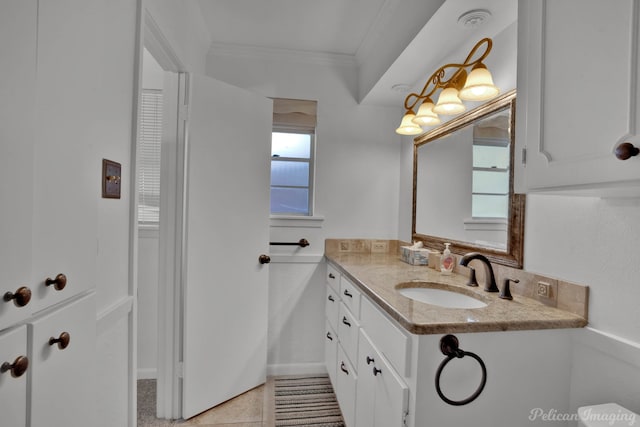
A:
(378, 274)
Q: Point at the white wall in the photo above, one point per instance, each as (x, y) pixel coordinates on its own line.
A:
(594, 241)
(115, 31)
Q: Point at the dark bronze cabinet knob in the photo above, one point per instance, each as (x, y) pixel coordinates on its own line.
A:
(626, 150)
(264, 259)
(62, 341)
(18, 368)
(58, 283)
(20, 297)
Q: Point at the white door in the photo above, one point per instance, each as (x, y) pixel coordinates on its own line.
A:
(226, 218)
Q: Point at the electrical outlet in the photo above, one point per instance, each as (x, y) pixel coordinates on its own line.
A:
(358, 246)
(543, 290)
(344, 246)
(380, 246)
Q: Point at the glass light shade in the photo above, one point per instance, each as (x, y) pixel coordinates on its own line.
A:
(448, 103)
(407, 127)
(479, 85)
(426, 116)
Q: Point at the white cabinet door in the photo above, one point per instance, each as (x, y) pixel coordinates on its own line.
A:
(227, 229)
(382, 398)
(578, 93)
(13, 384)
(366, 388)
(66, 170)
(392, 396)
(18, 20)
(61, 378)
(346, 388)
(331, 352)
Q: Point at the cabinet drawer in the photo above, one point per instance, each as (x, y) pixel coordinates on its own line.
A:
(350, 295)
(390, 339)
(346, 388)
(348, 328)
(333, 278)
(331, 352)
(13, 391)
(332, 307)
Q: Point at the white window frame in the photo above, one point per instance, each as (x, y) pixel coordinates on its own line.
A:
(311, 161)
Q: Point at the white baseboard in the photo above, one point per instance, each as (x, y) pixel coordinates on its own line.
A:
(148, 374)
(296, 369)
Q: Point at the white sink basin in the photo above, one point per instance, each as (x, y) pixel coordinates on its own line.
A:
(441, 297)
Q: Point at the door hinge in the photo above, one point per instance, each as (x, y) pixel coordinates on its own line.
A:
(404, 418)
(524, 156)
(180, 370)
(183, 112)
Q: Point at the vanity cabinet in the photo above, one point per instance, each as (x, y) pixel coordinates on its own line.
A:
(369, 390)
(390, 381)
(578, 91)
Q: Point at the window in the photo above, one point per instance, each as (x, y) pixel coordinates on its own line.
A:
(291, 173)
(490, 182)
(149, 157)
(292, 157)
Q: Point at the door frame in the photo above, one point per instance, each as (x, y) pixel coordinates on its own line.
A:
(168, 399)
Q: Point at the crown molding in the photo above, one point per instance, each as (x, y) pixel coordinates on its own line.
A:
(267, 53)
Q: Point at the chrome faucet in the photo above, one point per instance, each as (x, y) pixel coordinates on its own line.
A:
(490, 283)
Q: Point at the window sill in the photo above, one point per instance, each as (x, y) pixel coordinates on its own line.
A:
(294, 221)
(489, 224)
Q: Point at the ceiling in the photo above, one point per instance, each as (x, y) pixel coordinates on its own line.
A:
(393, 42)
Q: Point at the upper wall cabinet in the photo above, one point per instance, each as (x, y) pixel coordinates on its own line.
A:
(578, 95)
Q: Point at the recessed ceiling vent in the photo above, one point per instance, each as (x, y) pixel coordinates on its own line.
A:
(474, 18)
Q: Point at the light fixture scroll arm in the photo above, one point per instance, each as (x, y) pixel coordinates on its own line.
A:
(489, 44)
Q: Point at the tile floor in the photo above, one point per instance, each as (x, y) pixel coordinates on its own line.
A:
(251, 409)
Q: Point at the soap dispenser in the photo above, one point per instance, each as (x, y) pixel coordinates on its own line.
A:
(447, 260)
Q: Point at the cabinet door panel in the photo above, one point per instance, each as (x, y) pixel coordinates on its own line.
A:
(63, 378)
(13, 391)
(346, 388)
(18, 20)
(366, 388)
(331, 352)
(577, 92)
(332, 307)
(67, 170)
(392, 397)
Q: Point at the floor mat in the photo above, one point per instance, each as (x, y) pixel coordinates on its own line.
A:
(305, 401)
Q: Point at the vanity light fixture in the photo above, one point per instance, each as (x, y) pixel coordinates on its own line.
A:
(477, 85)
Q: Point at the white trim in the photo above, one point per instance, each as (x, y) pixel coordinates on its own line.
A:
(297, 259)
(158, 45)
(296, 369)
(294, 221)
(112, 314)
(275, 54)
(148, 231)
(618, 347)
(492, 224)
(147, 374)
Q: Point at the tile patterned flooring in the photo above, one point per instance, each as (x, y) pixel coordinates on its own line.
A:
(251, 409)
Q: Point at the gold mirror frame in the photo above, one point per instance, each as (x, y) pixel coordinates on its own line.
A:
(514, 255)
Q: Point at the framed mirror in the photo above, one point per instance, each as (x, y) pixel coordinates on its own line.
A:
(463, 185)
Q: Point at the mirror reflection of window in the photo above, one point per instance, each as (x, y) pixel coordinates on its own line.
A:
(491, 152)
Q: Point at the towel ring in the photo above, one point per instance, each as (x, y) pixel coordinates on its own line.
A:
(449, 347)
